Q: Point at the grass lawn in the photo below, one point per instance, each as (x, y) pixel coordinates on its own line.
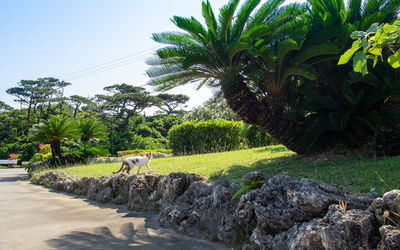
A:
(358, 174)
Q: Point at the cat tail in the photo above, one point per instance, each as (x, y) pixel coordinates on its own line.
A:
(120, 168)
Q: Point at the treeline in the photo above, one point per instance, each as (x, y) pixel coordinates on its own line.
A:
(120, 111)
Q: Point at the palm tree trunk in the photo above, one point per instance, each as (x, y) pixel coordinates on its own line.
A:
(268, 113)
(56, 149)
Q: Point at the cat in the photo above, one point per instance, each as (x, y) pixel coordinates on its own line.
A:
(131, 162)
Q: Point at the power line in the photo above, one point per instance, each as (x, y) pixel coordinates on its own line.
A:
(110, 63)
(108, 67)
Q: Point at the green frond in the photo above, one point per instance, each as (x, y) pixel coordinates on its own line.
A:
(284, 48)
(225, 19)
(162, 70)
(257, 32)
(326, 48)
(266, 53)
(354, 12)
(242, 17)
(202, 59)
(304, 70)
(209, 16)
(170, 81)
(191, 25)
(267, 10)
(175, 38)
(236, 48)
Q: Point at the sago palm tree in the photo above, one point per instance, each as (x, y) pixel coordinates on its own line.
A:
(54, 130)
(92, 129)
(218, 55)
(253, 56)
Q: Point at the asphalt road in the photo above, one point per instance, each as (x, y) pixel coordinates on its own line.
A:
(33, 217)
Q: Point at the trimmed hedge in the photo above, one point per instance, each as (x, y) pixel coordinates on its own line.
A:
(214, 136)
(142, 151)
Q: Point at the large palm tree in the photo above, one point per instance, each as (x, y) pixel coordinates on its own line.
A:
(54, 130)
(253, 56)
(218, 55)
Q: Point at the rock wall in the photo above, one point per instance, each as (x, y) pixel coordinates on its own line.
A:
(285, 213)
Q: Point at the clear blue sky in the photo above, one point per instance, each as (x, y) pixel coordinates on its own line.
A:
(44, 38)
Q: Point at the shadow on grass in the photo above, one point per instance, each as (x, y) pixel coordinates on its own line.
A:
(273, 149)
(265, 166)
(351, 173)
(128, 237)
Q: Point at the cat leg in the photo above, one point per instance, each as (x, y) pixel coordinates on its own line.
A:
(131, 166)
(148, 167)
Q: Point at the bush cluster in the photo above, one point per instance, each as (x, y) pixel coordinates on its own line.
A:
(142, 151)
(215, 136)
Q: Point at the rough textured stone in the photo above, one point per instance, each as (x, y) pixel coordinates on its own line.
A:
(204, 210)
(389, 202)
(175, 184)
(390, 237)
(284, 201)
(285, 213)
(255, 176)
(351, 229)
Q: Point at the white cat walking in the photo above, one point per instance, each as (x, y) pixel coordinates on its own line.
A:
(131, 162)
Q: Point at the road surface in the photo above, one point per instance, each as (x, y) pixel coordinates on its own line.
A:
(34, 217)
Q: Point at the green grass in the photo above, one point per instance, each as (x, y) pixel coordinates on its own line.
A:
(358, 174)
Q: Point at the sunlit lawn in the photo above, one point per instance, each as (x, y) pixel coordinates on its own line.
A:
(382, 174)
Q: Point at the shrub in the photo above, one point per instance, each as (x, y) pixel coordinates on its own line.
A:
(43, 154)
(139, 142)
(216, 136)
(142, 151)
(256, 136)
(205, 137)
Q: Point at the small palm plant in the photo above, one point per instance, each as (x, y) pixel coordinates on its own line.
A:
(92, 129)
(54, 130)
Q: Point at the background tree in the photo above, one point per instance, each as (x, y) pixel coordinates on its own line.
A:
(125, 102)
(5, 107)
(214, 108)
(40, 96)
(169, 102)
(25, 94)
(77, 101)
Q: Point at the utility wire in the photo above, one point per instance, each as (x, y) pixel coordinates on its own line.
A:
(112, 63)
(108, 67)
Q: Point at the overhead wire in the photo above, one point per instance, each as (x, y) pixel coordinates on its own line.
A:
(106, 68)
(119, 62)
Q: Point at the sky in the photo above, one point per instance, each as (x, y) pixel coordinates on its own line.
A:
(47, 38)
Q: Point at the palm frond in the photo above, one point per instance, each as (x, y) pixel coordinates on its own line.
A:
(306, 71)
(175, 38)
(266, 10)
(209, 16)
(191, 25)
(326, 48)
(284, 48)
(225, 18)
(242, 17)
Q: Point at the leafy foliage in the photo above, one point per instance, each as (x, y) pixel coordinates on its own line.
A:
(142, 151)
(372, 42)
(273, 62)
(215, 136)
(204, 137)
